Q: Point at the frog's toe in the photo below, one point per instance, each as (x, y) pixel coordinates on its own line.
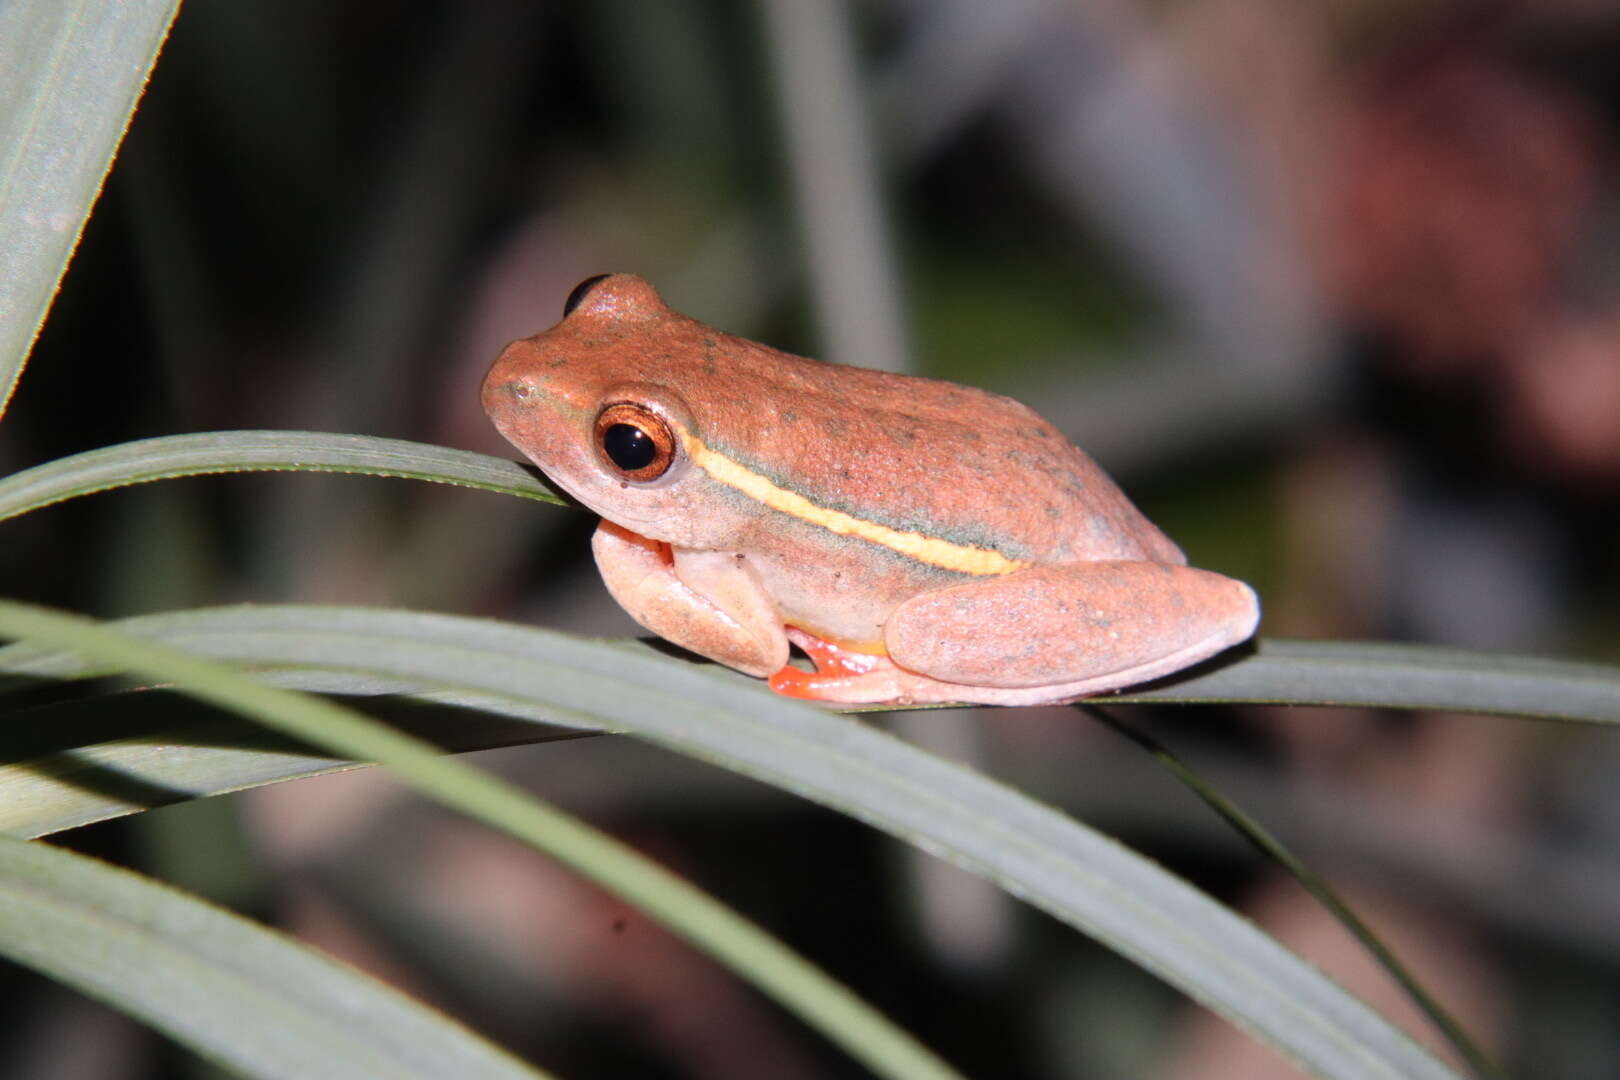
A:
(841, 675)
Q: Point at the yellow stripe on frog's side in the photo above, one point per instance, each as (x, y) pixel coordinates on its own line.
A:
(927, 549)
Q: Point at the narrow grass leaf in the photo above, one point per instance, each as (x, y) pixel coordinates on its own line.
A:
(235, 992)
(1395, 675)
(173, 456)
(70, 73)
(88, 758)
(1268, 845)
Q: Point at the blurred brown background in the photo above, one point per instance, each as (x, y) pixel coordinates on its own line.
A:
(1333, 289)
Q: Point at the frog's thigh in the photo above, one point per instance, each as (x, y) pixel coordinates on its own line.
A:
(1087, 626)
(704, 601)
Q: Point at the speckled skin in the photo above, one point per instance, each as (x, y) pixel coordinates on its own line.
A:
(1106, 599)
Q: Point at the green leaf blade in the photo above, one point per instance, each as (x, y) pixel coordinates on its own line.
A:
(198, 972)
(70, 74)
(172, 457)
(1401, 676)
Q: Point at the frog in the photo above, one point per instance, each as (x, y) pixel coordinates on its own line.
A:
(919, 541)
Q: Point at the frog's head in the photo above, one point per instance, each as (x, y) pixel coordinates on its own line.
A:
(590, 403)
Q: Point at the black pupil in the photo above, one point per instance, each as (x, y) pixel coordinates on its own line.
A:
(580, 292)
(628, 447)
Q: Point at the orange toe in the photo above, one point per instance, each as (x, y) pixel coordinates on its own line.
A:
(835, 666)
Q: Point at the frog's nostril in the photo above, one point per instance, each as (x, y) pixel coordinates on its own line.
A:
(508, 395)
(520, 389)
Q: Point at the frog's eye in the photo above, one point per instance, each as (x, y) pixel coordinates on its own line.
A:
(635, 440)
(581, 291)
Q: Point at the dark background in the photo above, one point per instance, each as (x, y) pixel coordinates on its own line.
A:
(1332, 289)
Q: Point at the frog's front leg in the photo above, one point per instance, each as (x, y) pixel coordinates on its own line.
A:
(707, 601)
(1043, 635)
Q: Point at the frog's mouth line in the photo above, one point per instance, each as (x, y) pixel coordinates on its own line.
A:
(980, 562)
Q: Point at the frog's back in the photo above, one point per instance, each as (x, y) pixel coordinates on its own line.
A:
(947, 460)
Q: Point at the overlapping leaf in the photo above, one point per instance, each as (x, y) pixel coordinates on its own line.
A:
(197, 972)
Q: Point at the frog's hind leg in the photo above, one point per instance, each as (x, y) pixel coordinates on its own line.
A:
(1055, 633)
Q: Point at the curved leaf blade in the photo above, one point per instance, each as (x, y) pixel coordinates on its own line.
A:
(70, 73)
(236, 992)
(87, 759)
(171, 457)
(1057, 864)
(1275, 672)
(1258, 836)
(1397, 676)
